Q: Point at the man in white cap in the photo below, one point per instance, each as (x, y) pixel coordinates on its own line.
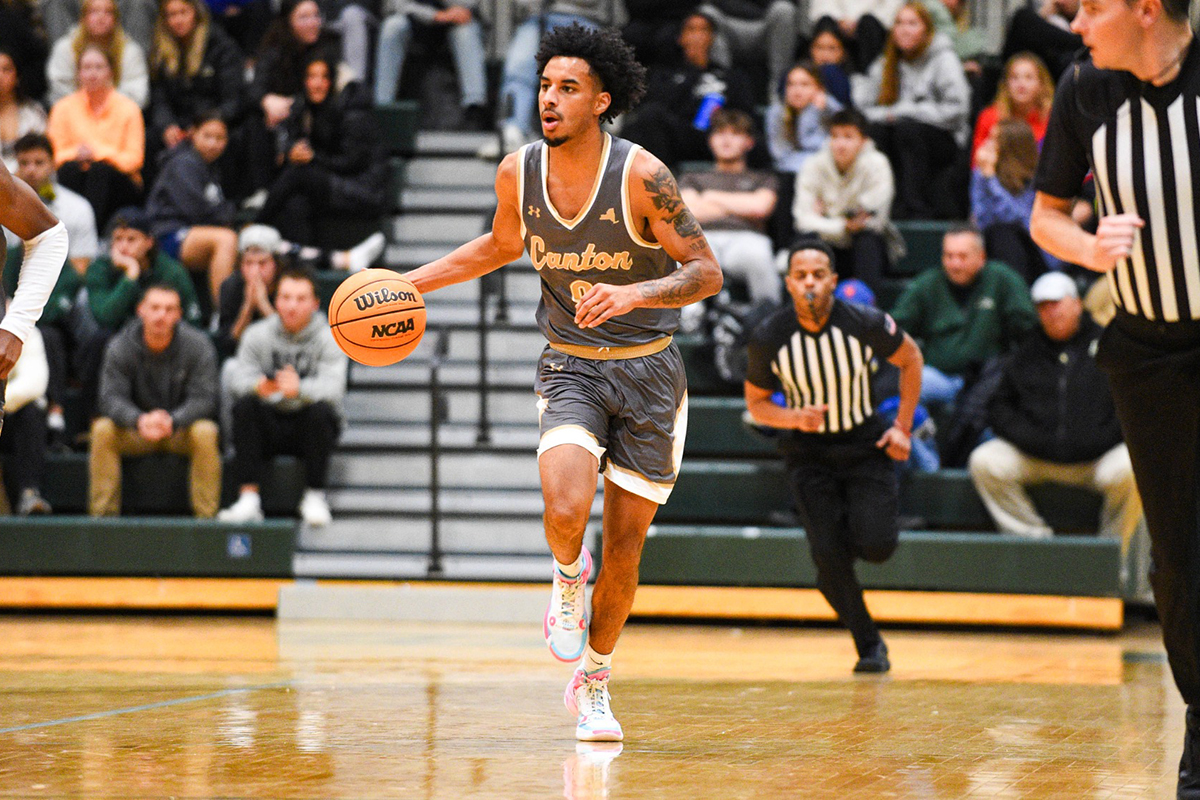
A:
(1055, 423)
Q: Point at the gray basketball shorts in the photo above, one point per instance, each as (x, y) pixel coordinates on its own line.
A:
(631, 414)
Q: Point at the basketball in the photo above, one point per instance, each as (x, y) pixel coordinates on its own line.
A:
(377, 317)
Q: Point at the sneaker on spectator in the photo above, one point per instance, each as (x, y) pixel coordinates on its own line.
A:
(248, 508)
(314, 510)
(364, 254)
(32, 502)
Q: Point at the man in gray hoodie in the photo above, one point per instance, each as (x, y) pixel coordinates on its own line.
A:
(158, 394)
(288, 381)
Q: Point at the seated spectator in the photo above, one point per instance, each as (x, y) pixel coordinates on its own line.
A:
(1054, 422)
(953, 18)
(796, 127)
(289, 379)
(334, 160)
(245, 21)
(520, 79)
(115, 284)
(653, 28)
(428, 19)
(158, 394)
(99, 139)
(99, 26)
(863, 25)
(137, 19)
(248, 295)
(751, 31)
(828, 51)
(60, 321)
(23, 436)
(963, 314)
(1025, 92)
(22, 38)
(1044, 31)
(192, 221)
(195, 68)
(294, 38)
(733, 203)
(19, 115)
(844, 196)
(917, 98)
(1002, 198)
(681, 99)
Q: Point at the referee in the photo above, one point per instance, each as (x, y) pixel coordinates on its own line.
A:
(1129, 114)
(838, 454)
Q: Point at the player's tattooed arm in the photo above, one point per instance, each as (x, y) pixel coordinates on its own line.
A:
(658, 214)
(673, 225)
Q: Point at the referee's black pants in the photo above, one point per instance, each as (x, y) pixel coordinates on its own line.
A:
(1154, 371)
(846, 493)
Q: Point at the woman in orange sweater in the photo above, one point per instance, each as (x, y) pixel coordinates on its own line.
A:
(99, 138)
(1025, 92)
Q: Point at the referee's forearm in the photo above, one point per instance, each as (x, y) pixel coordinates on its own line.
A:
(1055, 231)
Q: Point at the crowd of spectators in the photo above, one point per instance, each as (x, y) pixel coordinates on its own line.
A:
(157, 132)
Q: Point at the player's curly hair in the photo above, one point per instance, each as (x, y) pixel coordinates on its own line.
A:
(610, 58)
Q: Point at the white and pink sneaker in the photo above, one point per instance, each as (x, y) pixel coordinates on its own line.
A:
(587, 698)
(566, 622)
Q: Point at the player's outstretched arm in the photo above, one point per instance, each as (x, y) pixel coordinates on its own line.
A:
(23, 213)
(485, 253)
(660, 216)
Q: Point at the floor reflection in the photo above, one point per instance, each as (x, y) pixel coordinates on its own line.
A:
(250, 708)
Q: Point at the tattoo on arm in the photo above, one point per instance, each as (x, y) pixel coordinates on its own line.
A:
(685, 285)
(664, 193)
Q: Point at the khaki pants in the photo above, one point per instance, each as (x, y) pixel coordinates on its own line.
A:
(1001, 472)
(109, 443)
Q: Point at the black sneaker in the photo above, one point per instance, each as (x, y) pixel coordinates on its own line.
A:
(1189, 764)
(875, 659)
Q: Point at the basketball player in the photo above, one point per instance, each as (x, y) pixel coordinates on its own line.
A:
(23, 213)
(1128, 114)
(604, 225)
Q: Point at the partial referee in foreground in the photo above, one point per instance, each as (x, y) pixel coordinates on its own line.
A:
(817, 351)
(1129, 114)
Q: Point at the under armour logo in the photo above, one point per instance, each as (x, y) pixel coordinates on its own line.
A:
(534, 211)
(610, 216)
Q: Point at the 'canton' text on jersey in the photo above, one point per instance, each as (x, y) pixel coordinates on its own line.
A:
(601, 245)
(831, 367)
(1142, 144)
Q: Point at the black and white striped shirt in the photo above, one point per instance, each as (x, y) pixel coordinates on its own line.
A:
(1142, 145)
(830, 367)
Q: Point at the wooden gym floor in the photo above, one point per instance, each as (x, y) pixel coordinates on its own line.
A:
(142, 707)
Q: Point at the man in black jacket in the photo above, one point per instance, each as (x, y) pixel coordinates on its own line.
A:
(1054, 422)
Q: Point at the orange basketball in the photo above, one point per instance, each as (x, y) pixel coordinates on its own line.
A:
(377, 317)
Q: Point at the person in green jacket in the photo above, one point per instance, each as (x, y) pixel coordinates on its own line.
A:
(115, 284)
(963, 314)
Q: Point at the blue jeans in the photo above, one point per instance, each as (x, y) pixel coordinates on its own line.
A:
(938, 387)
(519, 90)
(466, 47)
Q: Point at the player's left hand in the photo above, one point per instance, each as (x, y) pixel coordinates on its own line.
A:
(896, 443)
(10, 351)
(603, 302)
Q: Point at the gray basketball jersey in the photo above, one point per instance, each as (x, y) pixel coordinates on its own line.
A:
(601, 245)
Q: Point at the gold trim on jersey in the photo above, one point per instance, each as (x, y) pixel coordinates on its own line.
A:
(521, 187)
(613, 353)
(626, 205)
(595, 185)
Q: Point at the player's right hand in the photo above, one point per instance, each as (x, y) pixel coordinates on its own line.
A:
(1114, 240)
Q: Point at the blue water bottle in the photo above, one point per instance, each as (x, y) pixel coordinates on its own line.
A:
(708, 106)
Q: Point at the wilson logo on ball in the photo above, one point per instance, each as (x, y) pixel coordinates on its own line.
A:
(392, 329)
(382, 297)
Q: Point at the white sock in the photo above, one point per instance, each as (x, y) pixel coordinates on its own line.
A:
(317, 493)
(593, 662)
(363, 254)
(571, 570)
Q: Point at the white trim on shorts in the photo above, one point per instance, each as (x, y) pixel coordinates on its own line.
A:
(570, 434)
(642, 486)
